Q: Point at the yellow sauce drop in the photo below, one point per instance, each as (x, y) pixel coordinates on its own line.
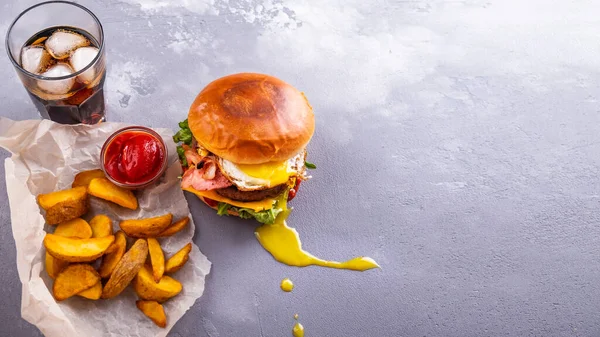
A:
(296, 316)
(298, 330)
(283, 242)
(287, 285)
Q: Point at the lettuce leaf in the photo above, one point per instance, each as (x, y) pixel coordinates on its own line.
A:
(180, 153)
(267, 216)
(222, 208)
(184, 135)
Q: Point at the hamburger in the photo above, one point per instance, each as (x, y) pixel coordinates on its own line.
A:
(243, 145)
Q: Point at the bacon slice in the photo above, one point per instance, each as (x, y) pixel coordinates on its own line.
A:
(195, 178)
(210, 170)
(207, 177)
(191, 156)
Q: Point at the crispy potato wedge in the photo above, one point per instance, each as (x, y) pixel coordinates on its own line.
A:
(84, 178)
(147, 289)
(92, 293)
(174, 228)
(76, 228)
(48, 200)
(76, 250)
(110, 260)
(126, 269)
(113, 247)
(102, 188)
(175, 262)
(101, 226)
(66, 210)
(144, 228)
(54, 266)
(154, 311)
(73, 280)
(65, 205)
(157, 258)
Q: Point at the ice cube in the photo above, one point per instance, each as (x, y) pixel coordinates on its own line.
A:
(62, 42)
(57, 87)
(80, 59)
(35, 59)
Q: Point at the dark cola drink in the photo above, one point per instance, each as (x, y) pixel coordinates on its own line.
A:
(57, 49)
(66, 71)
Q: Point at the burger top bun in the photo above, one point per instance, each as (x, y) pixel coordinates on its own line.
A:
(251, 118)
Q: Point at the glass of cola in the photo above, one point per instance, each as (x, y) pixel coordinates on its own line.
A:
(57, 48)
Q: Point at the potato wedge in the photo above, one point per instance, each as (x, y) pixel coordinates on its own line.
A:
(76, 250)
(113, 247)
(174, 228)
(48, 200)
(54, 266)
(76, 228)
(65, 205)
(175, 262)
(126, 269)
(157, 258)
(110, 260)
(154, 311)
(102, 188)
(101, 226)
(92, 293)
(73, 280)
(66, 210)
(84, 178)
(147, 289)
(144, 228)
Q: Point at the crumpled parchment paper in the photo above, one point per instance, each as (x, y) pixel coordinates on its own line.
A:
(45, 158)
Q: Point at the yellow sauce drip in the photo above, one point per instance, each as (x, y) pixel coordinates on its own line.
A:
(298, 330)
(287, 285)
(283, 242)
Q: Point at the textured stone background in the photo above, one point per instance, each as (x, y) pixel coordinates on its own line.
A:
(457, 144)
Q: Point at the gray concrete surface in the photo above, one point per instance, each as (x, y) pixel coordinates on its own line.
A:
(457, 144)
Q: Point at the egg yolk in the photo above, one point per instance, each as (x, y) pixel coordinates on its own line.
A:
(274, 172)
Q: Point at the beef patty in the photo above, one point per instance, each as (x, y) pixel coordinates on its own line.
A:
(233, 193)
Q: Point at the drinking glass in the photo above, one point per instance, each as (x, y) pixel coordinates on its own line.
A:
(74, 98)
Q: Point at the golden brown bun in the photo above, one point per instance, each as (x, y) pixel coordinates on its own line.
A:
(251, 118)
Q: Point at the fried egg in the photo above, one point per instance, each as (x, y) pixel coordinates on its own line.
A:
(261, 176)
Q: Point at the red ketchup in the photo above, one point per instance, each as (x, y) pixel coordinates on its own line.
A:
(293, 191)
(133, 157)
(210, 202)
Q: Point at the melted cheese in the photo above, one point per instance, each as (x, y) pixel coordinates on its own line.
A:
(257, 206)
